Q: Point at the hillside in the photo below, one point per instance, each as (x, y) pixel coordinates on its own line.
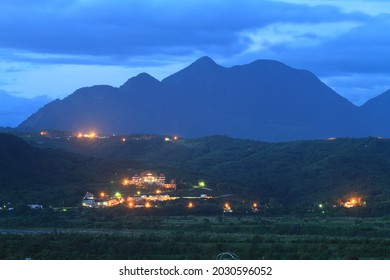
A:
(264, 100)
(377, 114)
(33, 175)
(291, 172)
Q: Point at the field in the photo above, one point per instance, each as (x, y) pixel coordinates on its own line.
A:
(116, 234)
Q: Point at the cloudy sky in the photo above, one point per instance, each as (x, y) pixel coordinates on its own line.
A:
(52, 47)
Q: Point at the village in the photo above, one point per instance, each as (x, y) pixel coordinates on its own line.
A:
(151, 192)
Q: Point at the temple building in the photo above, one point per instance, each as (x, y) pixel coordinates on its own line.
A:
(149, 178)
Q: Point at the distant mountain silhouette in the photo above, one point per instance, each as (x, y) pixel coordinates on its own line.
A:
(377, 112)
(15, 109)
(264, 100)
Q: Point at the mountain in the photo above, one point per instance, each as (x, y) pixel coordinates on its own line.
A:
(14, 109)
(377, 114)
(264, 100)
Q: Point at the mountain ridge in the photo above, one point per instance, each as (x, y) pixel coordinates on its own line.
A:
(263, 100)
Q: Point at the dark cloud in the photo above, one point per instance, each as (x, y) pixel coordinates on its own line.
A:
(133, 28)
(363, 49)
(155, 33)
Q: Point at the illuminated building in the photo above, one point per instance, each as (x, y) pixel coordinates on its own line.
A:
(149, 178)
(89, 200)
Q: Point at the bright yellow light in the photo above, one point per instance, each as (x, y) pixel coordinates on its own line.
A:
(158, 191)
(125, 182)
(167, 139)
(320, 205)
(118, 194)
(202, 184)
(138, 193)
(190, 205)
(148, 205)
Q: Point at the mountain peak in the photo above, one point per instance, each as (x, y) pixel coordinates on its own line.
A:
(200, 67)
(140, 81)
(205, 60)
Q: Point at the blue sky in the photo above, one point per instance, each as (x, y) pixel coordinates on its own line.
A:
(53, 47)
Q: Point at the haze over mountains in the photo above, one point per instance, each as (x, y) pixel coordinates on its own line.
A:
(264, 100)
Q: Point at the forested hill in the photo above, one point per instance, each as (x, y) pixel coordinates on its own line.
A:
(33, 175)
(291, 172)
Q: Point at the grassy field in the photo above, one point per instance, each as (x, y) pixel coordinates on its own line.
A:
(81, 234)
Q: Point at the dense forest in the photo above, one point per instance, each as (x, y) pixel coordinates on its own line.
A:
(291, 173)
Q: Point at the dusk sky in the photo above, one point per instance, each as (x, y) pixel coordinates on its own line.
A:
(53, 47)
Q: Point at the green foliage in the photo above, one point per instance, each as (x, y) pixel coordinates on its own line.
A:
(290, 173)
(143, 237)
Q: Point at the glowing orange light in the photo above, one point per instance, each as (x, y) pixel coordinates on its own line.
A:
(190, 205)
(131, 204)
(158, 191)
(125, 182)
(102, 194)
(175, 138)
(148, 205)
(254, 205)
(352, 202)
(86, 135)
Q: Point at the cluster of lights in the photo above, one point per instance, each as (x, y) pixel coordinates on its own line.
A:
(168, 139)
(353, 202)
(86, 135)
